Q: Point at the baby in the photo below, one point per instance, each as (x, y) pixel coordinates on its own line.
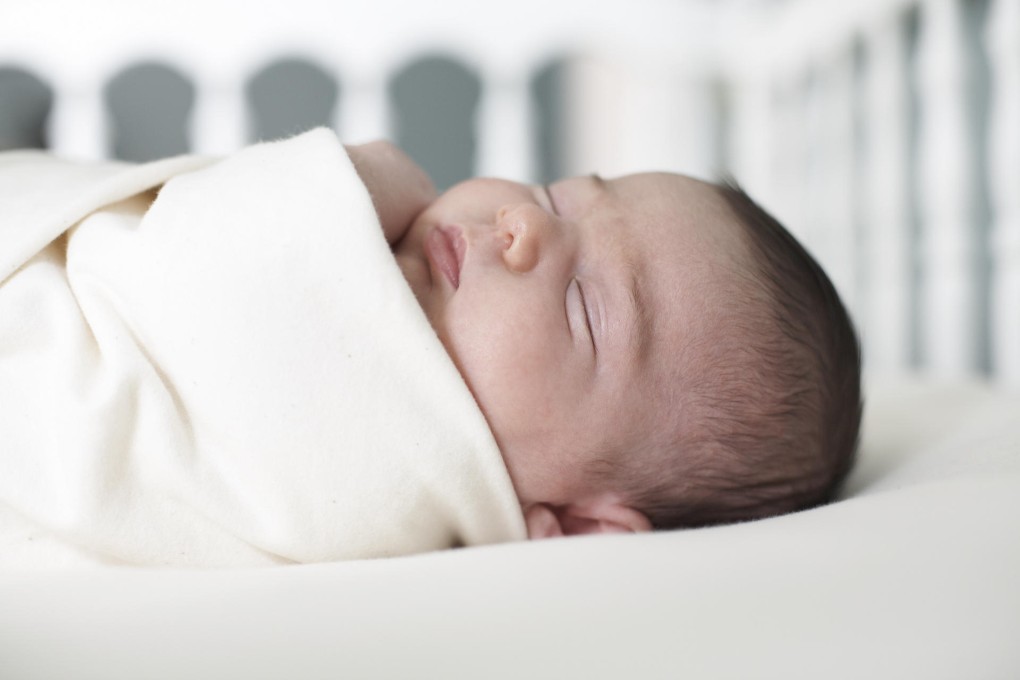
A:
(650, 351)
(221, 362)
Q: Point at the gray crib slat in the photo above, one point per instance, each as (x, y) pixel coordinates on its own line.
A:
(150, 106)
(25, 103)
(950, 241)
(288, 96)
(887, 326)
(1003, 40)
(434, 104)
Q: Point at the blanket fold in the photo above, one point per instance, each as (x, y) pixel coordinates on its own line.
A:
(230, 372)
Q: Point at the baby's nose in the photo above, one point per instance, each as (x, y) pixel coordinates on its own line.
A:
(524, 229)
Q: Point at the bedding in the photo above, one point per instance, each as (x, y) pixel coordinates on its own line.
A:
(912, 574)
(216, 362)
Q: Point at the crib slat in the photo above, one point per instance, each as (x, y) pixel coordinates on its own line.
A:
(789, 187)
(504, 128)
(219, 121)
(1003, 39)
(835, 164)
(364, 113)
(635, 115)
(949, 316)
(78, 126)
(886, 332)
(749, 135)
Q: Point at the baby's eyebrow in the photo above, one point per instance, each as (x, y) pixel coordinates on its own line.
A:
(638, 324)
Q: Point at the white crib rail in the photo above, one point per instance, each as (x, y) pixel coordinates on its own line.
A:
(856, 132)
(78, 46)
(894, 204)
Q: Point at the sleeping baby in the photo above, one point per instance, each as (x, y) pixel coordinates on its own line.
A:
(300, 354)
(650, 351)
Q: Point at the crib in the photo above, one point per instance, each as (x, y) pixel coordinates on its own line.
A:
(884, 133)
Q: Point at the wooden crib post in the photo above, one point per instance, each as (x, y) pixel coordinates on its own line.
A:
(1003, 40)
(950, 316)
(886, 333)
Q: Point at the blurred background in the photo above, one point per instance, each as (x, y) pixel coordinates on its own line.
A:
(884, 133)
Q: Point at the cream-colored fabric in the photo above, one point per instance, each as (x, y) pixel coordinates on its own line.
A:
(234, 374)
(41, 196)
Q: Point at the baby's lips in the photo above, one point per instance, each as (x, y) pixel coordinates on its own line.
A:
(456, 236)
(445, 248)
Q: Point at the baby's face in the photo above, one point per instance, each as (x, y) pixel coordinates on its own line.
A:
(567, 310)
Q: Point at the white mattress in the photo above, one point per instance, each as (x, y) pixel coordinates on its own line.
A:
(915, 574)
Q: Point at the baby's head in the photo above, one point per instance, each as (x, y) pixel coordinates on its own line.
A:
(649, 351)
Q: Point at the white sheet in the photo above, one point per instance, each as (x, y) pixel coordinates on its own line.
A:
(236, 375)
(917, 575)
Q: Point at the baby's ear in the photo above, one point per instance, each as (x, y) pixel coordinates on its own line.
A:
(604, 514)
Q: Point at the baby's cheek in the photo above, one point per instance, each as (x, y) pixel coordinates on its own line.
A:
(417, 276)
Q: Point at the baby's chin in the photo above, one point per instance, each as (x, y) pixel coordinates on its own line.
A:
(418, 276)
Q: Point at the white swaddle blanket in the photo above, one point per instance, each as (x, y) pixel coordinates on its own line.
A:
(236, 374)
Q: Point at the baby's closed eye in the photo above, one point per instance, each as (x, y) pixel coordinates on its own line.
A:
(578, 315)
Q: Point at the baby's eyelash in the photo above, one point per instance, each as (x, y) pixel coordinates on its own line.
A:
(587, 314)
(548, 196)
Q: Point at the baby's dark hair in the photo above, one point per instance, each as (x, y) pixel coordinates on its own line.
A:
(774, 407)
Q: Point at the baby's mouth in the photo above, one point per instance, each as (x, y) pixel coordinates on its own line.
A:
(445, 247)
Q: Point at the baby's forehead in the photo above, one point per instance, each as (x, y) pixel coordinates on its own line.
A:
(681, 219)
(678, 201)
(665, 181)
(691, 261)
